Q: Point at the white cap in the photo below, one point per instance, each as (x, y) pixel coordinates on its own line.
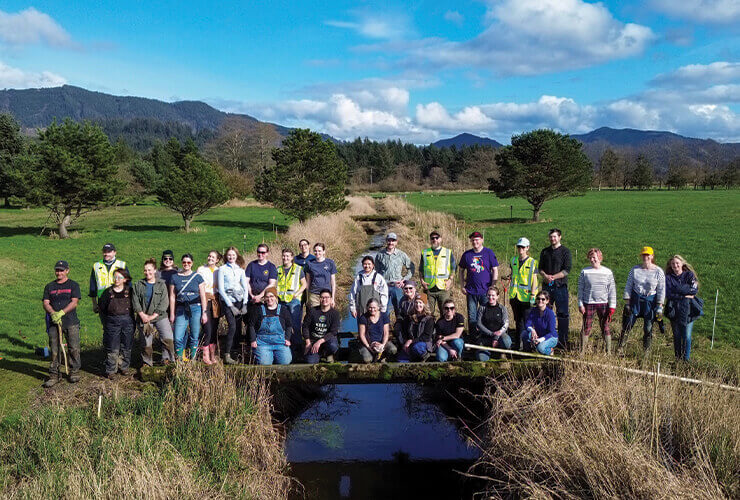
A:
(523, 242)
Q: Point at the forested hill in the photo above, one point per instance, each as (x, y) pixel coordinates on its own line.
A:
(466, 139)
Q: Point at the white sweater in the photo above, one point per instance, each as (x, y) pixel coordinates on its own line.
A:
(597, 286)
(646, 282)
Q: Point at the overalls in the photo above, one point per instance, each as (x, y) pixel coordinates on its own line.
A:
(271, 341)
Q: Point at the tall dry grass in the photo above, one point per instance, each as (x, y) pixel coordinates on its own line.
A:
(201, 436)
(588, 434)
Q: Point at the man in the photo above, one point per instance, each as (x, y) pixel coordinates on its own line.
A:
(368, 284)
(305, 254)
(261, 274)
(291, 282)
(320, 327)
(390, 263)
(101, 276)
(60, 303)
(555, 264)
(523, 287)
(437, 267)
(479, 271)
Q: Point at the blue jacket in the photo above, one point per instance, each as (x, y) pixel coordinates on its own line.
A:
(678, 307)
(545, 325)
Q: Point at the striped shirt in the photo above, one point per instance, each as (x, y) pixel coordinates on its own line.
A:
(646, 282)
(597, 286)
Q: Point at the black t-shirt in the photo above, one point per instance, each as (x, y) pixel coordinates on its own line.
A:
(60, 295)
(552, 261)
(321, 325)
(444, 327)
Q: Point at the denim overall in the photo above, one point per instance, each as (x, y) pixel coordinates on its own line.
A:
(271, 341)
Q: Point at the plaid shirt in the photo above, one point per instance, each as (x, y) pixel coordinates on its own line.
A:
(390, 265)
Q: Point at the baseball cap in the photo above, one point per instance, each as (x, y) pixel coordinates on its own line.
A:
(475, 234)
(109, 247)
(168, 253)
(410, 282)
(523, 242)
(61, 265)
(422, 297)
(434, 233)
(647, 251)
(391, 236)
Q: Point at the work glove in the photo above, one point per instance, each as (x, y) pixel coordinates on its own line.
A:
(235, 311)
(611, 313)
(659, 313)
(56, 317)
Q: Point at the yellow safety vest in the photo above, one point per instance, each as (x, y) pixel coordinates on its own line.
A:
(104, 276)
(437, 268)
(288, 284)
(523, 280)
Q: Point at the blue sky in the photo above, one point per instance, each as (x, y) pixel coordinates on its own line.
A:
(417, 71)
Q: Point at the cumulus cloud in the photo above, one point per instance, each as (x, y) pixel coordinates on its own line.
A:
(702, 11)
(33, 27)
(700, 75)
(454, 17)
(18, 79)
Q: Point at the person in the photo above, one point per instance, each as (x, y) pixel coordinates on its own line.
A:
(291, 282)
(523, 287)
(213, 309)
(540, 331)
(101, 276)
(554, 265)
(368, 284)
(448, 341)
(437, 267)
(681, 287)
(270, 329)
(597, 295)
(417, 333)
(118, 330)
(320, 274)
(232, 288)
(493, 325)
(187, 307)
(404, 306)
(304, 255)
(320, 327)
(644, 295)
(261, 274)
(390, 263)
(150, 303)
(60, 300)
(373, 329)
(167, 267)
(478, 271)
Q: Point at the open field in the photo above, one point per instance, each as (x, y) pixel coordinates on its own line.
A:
(702, 226)
(139, 232)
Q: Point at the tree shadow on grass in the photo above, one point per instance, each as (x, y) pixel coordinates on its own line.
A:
(147, 227)
(504, 220)
(262, 226)
(6, 231)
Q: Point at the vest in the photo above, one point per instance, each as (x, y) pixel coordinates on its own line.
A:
(103, 276)
(493, 317)
(523, 280)
(437, 268)
(288, 284)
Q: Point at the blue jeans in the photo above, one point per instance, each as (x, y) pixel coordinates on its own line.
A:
(417, 350)
(187, 315)
(395, 295)
(457, 344)
(294, 306)
(331, 346)
(559, 300)
(272, 348)
(682, 339)
(545, 347)
(474, 302)
(504, 342)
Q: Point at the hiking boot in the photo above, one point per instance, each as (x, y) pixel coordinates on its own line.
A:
(74, 378)
(426, 356)
(124, 372)
(110, 376)
(228, 360)
(51, 381)
(330, 358)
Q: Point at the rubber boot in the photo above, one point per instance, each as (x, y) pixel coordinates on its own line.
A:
(51, 381)
(193, 353)
(206, 355)
(647, 343)
(608, 342)
(212, 352)
(229, 360)
(584, 344)
(180, 354)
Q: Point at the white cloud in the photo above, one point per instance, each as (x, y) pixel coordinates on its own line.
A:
(700, 75)
(703, 11)
(373, 25)
(18, 79)
(454, 17)
(33, 27)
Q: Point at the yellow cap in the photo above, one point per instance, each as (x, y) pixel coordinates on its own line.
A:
(647, 251)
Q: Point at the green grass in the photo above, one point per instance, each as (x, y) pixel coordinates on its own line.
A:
(702, 226)
(139, 232)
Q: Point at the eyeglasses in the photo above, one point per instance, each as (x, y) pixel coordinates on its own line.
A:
(118, 278)
(261, 251)
(448, 308)
(541, 299)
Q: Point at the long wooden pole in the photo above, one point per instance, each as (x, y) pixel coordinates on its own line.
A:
(714, 322)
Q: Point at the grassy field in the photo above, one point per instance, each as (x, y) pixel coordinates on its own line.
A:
(139, 232)
(703, 226)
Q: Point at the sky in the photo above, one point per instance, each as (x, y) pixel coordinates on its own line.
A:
(416, 71)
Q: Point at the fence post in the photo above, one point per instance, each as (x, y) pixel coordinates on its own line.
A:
(654, 429)
(714, 322)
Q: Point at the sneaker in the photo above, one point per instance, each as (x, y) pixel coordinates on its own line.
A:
(426, 356)
(110, 376)
(51, 381)
(74, 378)
(330, 358)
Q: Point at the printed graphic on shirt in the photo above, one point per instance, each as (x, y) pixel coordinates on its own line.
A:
(476, 264)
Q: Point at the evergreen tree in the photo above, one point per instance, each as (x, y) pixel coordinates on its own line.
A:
(11, 147)
(642, 175)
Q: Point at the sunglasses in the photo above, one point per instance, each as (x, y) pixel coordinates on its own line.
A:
(167, 258)
(261, 251)
(541, 299)
(434, 237)
(187, 262)
(408, 288)
(449, 308)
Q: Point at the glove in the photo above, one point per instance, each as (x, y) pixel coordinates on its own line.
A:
(235, 311)
(659, 313)
(56, 317)
(611, 313)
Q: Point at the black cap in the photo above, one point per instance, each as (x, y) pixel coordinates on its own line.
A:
(168, 253)
(109, 247)
(475, 234)
(434, 233)
(61, 265)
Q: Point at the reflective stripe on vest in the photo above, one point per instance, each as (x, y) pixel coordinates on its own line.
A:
(103, 276)
(288, 284)
(522, 285)
(437, 268)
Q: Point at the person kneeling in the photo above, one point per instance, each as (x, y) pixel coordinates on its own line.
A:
(449, 343)
(320, 327)
(540, 330)
(270, 329)
(373, 328)
(493, 324)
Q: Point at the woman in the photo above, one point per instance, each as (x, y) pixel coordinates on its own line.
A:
(681, 286)
(448, 343)
(540, 328)
(493, 325)
(210, 327)
(368, 284)
(232, 289)
(320, 274)
(373, 329)
(644, 294)
(118, 326)
(597, 295)
(270, 329)
(417, 332)
(404, 307)
(167, 267)
(151, 299)
(187, 307)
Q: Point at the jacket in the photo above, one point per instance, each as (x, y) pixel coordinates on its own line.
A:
(160, 298)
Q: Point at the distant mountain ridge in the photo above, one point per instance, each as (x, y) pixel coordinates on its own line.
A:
(466, 139)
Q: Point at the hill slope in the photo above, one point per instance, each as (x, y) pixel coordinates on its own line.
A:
(466, 139)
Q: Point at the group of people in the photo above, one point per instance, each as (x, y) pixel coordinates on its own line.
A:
(287, 312)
